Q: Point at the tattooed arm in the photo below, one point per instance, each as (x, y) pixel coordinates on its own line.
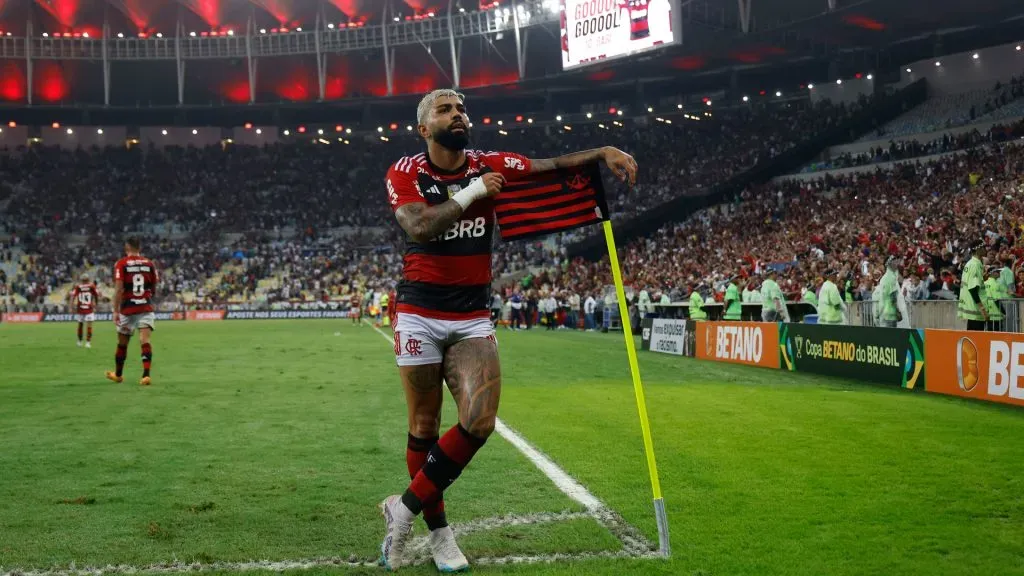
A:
(424, 223)
(622, 164)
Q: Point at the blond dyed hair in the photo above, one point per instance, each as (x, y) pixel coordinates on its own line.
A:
(430, 100)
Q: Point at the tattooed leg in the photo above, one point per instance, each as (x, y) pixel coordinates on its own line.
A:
(423, 396)
(474, 378)
(473, 374)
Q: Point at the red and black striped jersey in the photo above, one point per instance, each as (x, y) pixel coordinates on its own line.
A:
(449, 277)
(84, 297)
(639, 27)
(138, 278)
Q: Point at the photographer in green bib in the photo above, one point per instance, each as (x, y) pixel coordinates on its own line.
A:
(831, 307)
(733, 304)
(810, 297)
(972, 291)
(996, 291)
(889, 294)
(773, 306)
(697, 305)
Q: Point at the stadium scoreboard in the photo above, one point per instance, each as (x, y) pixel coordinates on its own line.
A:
(599, 30)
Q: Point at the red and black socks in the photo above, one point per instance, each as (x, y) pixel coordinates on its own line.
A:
(445, 462)
(147, 358)
(415, 457)
(119, 356)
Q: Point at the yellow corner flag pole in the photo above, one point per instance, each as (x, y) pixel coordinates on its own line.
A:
(652, 466)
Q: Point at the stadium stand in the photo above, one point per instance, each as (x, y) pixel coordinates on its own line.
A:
(946, 111)
(69, 208)
(300, 224)
(927, 214)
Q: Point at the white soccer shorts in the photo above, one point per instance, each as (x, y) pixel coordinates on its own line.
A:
(127, 325)
(91, 317)
(420, 341)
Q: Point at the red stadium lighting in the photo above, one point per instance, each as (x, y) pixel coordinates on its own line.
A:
(248, 125)
(283, 30)
(302, 129)
(519, 118)
(338, 128)
(204, 34)
(12, 124)
(611, 110)
(273, 30)
(394, 126)
(55, 125)
(487, 120)
(858, 75)
(761, 92)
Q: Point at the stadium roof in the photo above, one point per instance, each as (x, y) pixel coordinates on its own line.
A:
(786, 43)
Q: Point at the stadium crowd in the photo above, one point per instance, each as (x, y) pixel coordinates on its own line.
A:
(306, 222)
(306, 197)
(905, 149)
(925, 214)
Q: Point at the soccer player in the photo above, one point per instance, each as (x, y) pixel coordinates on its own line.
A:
(83, 299)
(135, 280)
(444, 201)
(355, 311)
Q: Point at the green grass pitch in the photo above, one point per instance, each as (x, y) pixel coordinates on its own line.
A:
(275, 440)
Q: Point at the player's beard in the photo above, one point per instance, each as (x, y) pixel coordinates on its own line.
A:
(452, 141)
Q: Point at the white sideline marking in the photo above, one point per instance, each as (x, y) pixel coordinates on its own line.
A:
(559, 477)
(309, 564)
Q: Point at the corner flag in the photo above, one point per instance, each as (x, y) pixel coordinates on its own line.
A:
(561, 200)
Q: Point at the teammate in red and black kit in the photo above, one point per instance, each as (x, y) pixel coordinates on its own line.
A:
(135, 281)
(83, 301)
(444, 201)
(639, 27)
(355, 307)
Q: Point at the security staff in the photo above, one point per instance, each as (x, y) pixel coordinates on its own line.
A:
(890, 289)
(733, 305)
(810, 297)
(971, 306)
(774, 301)
(996, 291)
(831, 305)
(697, 305)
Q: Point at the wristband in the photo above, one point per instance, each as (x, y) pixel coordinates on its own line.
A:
(476, 190)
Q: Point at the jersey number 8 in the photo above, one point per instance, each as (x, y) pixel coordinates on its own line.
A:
(138, 284)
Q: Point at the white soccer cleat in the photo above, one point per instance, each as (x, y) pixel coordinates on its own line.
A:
(88, 344)
(79, 343)
(397, 532)
(447, 556)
